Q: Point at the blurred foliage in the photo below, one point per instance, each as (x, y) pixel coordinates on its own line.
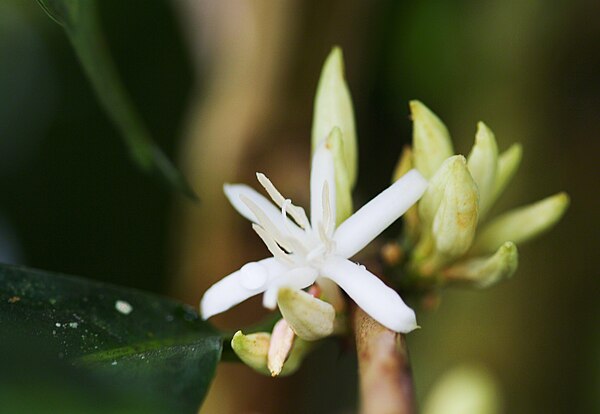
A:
(141, 344)
(82, 26)
(70, 200)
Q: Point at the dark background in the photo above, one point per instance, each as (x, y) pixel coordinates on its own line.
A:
(72, 201)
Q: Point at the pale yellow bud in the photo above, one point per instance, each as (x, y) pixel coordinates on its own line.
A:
(431, 140)
(508, 163)
(464, 390)
(482, 163)
(521, 224)
(484, 272)
(455, 221)
(333, 108)
(411, 217)
(252, 350)
(343, 190)
(310, 318)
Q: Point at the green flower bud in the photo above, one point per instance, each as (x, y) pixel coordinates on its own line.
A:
(310, 318)
(333, 108)
(430, 202)
(411, 217)
(343, 191)
(508, 163)
(482, 163)
(521, 224)
(253, 351)
(465, 389)
(484, 272)
(455, 221)
(431, 140)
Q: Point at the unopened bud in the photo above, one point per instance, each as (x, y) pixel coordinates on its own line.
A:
(466, 389)
(310, 318)
(252, 349)
(343, 190)
(482, 163)
(508, 163)
(521, 224)
(333, 108)
(411, 217)
(431, 140)
(484, 272)
(280, 346)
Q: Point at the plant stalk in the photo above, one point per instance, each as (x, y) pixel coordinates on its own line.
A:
(385, 377)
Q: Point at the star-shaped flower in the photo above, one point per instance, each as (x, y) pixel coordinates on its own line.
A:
(306, 252)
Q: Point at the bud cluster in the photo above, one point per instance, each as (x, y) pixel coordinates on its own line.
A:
(449, 237)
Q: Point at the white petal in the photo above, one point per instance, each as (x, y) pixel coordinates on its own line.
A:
(296, 278)
(372, 295)
(233, 193)
(322, 170)
(253, 278)
(375, 216)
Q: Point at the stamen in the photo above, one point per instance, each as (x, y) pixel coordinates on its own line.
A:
(267, 224)
(297, 213)
(272, 245)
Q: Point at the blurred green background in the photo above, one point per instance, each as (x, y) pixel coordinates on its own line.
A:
(72, 201)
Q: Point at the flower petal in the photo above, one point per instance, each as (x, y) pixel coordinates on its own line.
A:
(322, 171)
(296, 278)
(233, 193)
(372, 295)
(253, 278)
(375, 216)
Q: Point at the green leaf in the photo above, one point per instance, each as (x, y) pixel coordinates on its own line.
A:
(146, 345)
(81, 23)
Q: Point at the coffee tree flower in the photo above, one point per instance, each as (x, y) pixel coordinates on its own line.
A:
(448, 234)
(312, 251)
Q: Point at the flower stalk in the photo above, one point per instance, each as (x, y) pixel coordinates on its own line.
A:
(385, 376)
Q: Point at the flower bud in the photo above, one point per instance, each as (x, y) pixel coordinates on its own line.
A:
(484, 272)
(455, 221)
(343, 191)
(280, 346)
(521, 224)
(333, 108)
(310, 318)
(253, 351)
(465, 389)
(508, 163)
(482, 163)
(411, 217)
(431, 140)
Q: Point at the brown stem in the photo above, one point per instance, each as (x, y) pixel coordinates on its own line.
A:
(386, 385)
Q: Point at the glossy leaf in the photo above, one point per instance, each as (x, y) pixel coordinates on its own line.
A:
(80, 21)
(143, 344)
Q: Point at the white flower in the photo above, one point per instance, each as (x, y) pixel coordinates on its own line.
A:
(306, 251)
